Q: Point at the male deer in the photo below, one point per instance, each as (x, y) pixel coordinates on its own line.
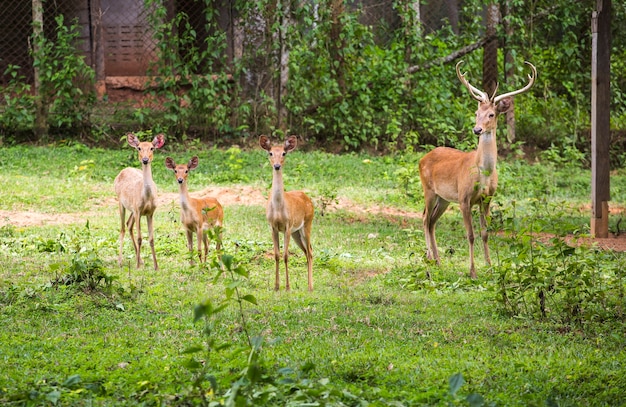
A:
(290, 212)
(469, 178)
(197, 215)
(137, 193)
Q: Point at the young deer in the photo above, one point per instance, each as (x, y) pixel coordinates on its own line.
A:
(137, 193)
(469, 178)
(197, 215)
(290, 212)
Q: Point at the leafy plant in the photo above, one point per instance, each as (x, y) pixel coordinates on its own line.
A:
(70, 390)
(327, 196)
(66, 81)
(85, 269)
(17, 104)
(542, 276)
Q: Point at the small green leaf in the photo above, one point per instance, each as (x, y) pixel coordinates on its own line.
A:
(201, 310)
(250, 298)
(192, 364)
(72, 381)
(228, 261)
(455, 383)
(192, 349)
(53, 396)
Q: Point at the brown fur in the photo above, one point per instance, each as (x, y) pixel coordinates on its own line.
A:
(290, 213)
(468, 178)
(137, 192)
(196, 214)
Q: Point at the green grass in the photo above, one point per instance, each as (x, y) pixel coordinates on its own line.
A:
(374, 327)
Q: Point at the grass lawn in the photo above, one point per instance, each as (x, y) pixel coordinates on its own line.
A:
(80, 330)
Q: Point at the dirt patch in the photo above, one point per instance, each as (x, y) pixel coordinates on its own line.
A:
(243, 195)
(613, 242)
(249, 196)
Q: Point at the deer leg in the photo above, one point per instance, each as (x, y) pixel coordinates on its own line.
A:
(275, 238)
(286, 257)
(139, 241)
(466, 210)
(151, 240)
(303, 243)
(203, 244)
(435, 207)
(130, 224)
(122, 212)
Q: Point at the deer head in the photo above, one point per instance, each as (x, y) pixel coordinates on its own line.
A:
(490, 107)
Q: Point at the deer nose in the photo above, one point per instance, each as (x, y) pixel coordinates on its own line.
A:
(145, 160)
(277, 167)
(478, 130)
(180, 180)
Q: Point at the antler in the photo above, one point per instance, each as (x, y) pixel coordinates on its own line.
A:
(476, 93)
(483, 97)
(531, 81)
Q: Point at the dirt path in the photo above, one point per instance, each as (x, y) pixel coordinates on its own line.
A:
(239, 195)
(245, 195)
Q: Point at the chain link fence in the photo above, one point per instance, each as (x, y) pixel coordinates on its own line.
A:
(15, 31)
(122, 29)
(119, 40)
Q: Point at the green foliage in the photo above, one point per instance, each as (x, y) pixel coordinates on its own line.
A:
(85, 269)
(543, 276)
(70, 390)
(18, 105)
(348, 82)
(66, 82)
(326, 198)
(195, 91)
(65, 87)
(233, 165)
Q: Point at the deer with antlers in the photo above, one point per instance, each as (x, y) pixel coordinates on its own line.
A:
(468, 178)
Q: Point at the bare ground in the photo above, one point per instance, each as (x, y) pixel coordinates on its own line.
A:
(245, 195)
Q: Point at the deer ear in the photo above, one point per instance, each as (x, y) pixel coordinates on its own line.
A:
(193, 163)
(291, 143)
(169, 163)
(504, 105)
(158, 141)
(132, 140)
(265, 143)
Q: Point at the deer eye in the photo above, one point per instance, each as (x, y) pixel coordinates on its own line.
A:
(492, 115)
(284, 153)
(271, 154)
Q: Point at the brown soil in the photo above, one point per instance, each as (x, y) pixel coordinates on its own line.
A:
(245, 195)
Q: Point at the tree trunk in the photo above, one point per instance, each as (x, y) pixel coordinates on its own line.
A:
(337, 44)
(97, 47)
(41, 106)
(490, 54)
(284, 67)
(600, 117)
(509, 66)
(410, 11)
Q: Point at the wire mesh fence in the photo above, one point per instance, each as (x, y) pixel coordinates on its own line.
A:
(124, 31)
(128, 42)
